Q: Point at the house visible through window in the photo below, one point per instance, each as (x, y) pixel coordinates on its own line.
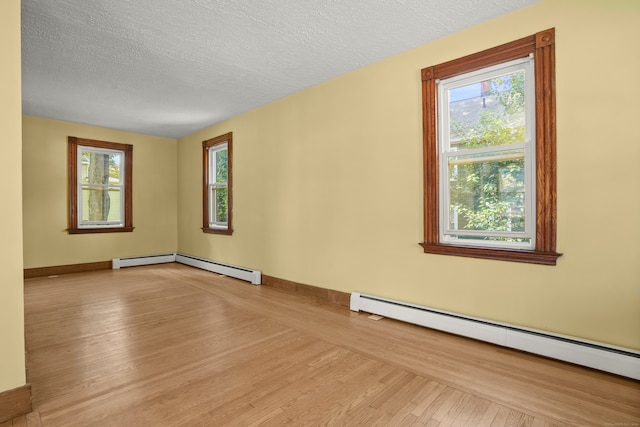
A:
(489, 147)
(99, 186)
(217, 199)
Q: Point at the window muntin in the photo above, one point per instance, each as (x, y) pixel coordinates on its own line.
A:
(487, 157)
(99, 186)
(542, 46)
(217, 184)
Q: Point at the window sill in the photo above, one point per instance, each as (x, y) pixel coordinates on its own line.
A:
(100, 230)
(226, 232)
(531, 257)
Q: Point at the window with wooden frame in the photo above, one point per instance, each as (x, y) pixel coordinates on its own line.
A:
(217, 189)
(99, 186)
(489, 153)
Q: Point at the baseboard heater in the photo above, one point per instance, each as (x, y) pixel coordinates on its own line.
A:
(616, 360)
(117, 263)
(253, 276)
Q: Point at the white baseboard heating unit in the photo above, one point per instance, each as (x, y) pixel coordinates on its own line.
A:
(253, 276)
(616, 360)
(117, 263)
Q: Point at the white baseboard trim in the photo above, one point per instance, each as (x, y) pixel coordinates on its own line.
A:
(616, 360)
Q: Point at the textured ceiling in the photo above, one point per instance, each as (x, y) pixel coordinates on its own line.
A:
(171, 67)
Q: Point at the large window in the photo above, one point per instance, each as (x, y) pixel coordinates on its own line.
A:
(99, 186)
(217, 201)
(489, 153)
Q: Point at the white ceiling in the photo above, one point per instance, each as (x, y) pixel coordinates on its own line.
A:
(171, 67)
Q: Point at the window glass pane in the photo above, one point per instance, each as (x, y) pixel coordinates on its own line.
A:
(221, 205)
(221, 166)
(101, 168)
(219, 196)
(487, 191)
(101, 204)
(488, 113)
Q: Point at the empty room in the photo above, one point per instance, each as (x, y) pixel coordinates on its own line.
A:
(320, 213)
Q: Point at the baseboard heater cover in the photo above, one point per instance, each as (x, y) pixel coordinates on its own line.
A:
(253, 276)
(616, 360)
(117, 263)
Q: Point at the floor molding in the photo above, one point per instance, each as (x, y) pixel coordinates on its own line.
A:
(322, 294)
(14, 403)
(66, 269)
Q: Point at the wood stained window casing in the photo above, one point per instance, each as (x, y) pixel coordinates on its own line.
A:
(72, 188)
(542, 46)
(228, 139)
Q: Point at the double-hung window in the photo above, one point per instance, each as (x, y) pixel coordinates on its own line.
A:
(217, 199)
(489, 153)
(487, 157)
(99, 186)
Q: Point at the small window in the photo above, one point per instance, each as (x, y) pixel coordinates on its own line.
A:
(99, 186)
(489, 153)
(217, 156)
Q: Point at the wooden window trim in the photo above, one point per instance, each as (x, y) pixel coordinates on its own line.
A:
(228, 139)
(542, 45)
(72, 188)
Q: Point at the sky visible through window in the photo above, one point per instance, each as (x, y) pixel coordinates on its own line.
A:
(465, 92)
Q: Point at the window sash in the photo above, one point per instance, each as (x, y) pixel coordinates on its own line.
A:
(113, 189)
(214, 221)
(213, 151)
(487, 238)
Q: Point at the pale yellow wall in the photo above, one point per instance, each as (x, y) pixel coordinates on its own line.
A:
(12, 367)
(45, 196)
(328, 183)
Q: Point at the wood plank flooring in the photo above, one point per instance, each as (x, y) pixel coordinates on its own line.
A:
(170, 345)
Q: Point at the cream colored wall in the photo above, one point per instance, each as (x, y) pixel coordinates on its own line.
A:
(328, 183)
(12, 367)
(45, 196)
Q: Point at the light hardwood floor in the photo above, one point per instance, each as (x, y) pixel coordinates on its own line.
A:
(170, 345)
